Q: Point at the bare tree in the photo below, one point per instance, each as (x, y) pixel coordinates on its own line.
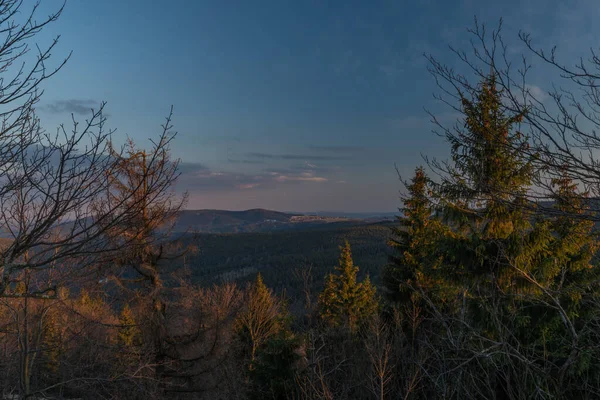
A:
(201, 343)
(51, 179)
(379, 349)
(58, 206)
(260, 319)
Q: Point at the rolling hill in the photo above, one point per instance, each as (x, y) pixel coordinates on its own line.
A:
(228, 221)
(259, 220)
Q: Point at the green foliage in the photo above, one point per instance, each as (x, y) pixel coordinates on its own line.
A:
(344, 301)
(483, 195)
(489, 155)
(268, 344)
(274, 370)
(509, 274)
(413, 243)
(238, 257)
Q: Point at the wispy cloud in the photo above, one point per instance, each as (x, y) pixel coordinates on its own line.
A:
(537, 93)
(336, 149)
(285, 178)
(304, 168)
(233, 161)
(197, 177)
(72, 106)
(306, 157)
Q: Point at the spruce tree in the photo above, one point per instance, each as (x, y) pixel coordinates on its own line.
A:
(413, 243)
(570, 272)
(491, 245)
(575, 243)
(524, 276)
(344, 301)
(483, 196)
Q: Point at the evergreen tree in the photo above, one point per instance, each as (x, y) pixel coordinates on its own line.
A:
(483, 197)
(274, 369)
(569, 272)
(491, 168)
(345, 301)
(413, 242)
(575, 243)
(523, 276)
(491, 245)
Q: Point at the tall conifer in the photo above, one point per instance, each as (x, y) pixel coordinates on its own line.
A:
(413, 242)
(345, 301)
(484, 194)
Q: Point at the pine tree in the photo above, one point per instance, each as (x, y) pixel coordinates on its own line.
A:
(413, 243)
(483, 197)
(522, 276)
(575, 243)
(91, 306)
(491, 244)
(20, 288)
(491, 169)
(345, 301)
(570, 272)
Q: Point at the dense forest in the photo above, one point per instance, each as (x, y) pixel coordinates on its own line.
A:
(485, 287)
(238, 257)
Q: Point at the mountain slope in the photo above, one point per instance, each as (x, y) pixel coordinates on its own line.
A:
(229, 221)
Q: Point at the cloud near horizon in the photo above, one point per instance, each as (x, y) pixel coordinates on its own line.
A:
(71, 106)
(198, 177)
(235, 161)
(336, 149)
(305, 157)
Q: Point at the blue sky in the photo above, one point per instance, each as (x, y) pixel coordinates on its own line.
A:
(288, 105)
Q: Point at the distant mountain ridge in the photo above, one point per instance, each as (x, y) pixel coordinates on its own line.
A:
(354, 215)
(253, 220)
(202, 220)
(256, 220)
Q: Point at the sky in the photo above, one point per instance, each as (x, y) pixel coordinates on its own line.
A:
(287, 105)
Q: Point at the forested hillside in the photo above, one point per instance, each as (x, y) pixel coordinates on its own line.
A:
(486, 286)
(281, 256)
(228, 221)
